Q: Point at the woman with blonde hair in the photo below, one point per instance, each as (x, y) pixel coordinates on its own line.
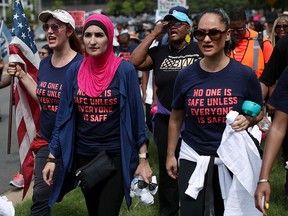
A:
(279, 29)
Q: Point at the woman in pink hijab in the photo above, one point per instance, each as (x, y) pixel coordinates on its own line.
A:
(100, 110)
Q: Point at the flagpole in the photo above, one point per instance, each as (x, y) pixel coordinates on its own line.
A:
(10, 115)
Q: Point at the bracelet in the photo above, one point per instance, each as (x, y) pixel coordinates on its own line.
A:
(263, 181)
(51, 160)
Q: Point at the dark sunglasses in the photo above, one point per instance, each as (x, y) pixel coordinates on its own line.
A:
(176, 24)
(214, 34)
(279, 27)
(238, 29)
(55, 27)
(142, 184)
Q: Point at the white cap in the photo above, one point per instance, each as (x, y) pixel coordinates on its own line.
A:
(59, 14)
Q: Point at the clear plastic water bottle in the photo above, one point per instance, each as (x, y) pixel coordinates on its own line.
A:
(265, 126)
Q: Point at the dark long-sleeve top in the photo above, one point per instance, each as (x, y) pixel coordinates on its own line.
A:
(133, 130)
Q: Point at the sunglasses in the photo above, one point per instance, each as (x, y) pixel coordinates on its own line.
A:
(142, 184)
(214, 34)
(238, 29)
(176, 24)
(279, 27)
(55, 27)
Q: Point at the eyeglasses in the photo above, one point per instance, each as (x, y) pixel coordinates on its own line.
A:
(176, 24)
(279, 27)
(142, 184)
(214, 34)
(55, 27)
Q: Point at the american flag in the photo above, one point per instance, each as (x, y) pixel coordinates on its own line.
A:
(23, 50)
(5, 39)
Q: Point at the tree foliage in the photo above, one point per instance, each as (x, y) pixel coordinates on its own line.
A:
(58, 4)
(130, 7)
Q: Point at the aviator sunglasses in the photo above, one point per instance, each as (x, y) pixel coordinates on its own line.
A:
(55, 27)
(214, 34)
(142, 184)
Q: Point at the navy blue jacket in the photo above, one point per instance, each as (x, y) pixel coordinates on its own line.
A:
(133, 130)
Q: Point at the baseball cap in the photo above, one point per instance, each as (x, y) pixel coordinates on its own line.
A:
(179, 16)
(179, 9)
(59, 14)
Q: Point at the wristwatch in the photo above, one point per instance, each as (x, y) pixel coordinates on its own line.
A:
(144, 155)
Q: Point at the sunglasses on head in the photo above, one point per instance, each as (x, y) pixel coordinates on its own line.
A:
(55, 27)
(214, 34)
(142, 184)
(279, 27)
(176, 24)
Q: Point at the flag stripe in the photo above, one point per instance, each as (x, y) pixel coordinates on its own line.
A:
(23, 50)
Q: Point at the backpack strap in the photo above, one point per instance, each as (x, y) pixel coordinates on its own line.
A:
(260, 39)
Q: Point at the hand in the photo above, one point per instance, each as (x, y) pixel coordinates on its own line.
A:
(171, 166)
(270, 109)
(264, 122)
(144, 170)
(14, 69)
(160, 28)
(241, 123)
(263, 190)
(48, 173)
(143, 97)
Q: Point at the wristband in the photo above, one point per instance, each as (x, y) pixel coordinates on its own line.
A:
(51, 160)
(263, 181)
(144, 155)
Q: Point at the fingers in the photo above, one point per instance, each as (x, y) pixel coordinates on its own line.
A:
(172, 172)
(240, 124)
(13, 69)
(262, 197)
(259, 204)
(47, 174)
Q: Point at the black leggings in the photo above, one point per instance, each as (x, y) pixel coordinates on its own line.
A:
(187, 203)
(105, 199)
(168, 188)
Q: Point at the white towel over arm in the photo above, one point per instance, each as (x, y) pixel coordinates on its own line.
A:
(239, 153)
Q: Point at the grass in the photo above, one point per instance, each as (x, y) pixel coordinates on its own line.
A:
(73, 203)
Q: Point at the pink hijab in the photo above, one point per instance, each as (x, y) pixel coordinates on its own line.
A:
(96, 73)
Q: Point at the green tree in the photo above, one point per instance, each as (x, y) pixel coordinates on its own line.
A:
(140, 7)
(126, 8)
(114, 7)
(131, 7)
(117, 7)
(58, 4)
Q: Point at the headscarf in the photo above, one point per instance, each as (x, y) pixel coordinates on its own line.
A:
(96, 73)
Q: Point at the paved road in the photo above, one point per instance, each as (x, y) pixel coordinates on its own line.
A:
(9, 163)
